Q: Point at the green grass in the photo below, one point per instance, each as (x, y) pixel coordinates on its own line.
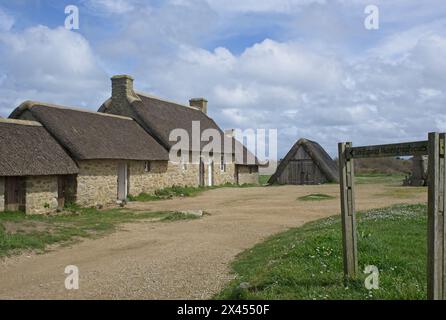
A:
(19, 232)
(381, 178)
(306, 262)
(263, 179)
(315, 197)
(176, 191)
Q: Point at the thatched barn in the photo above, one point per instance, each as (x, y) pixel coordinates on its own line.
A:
(159, 117)
(35, 171)
(306, 163)
(115, 156)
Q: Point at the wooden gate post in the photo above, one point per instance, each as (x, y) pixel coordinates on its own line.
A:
(436, 222)
(346, 176)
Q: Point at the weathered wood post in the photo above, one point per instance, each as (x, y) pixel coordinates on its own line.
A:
(346, 177)
(436, 221)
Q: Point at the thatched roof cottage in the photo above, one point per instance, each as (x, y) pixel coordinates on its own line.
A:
(115, 156)
(159, 117)
(34, 168)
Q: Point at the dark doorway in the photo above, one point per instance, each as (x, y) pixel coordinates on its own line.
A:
(15, 194)
(201, 173)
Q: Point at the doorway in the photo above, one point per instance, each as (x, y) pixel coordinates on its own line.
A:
(211, 173)
(122, 181)
(201, 173)
(15, 194)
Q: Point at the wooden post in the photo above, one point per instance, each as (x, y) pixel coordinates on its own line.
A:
(436, 223)
(346, 176)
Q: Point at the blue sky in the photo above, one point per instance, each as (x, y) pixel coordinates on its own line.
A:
(308, 68)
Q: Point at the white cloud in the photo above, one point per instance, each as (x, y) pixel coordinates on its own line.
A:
(110, 6)
(53, 65)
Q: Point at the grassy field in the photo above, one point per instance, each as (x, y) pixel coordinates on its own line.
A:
(306, 262)
(382, 178)
(19, 232)
(169, 193)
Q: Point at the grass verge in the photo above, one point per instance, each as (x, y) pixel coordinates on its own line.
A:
(20, 232)
(306, 262)
(395, 179)
(316, 197)
(176, 191)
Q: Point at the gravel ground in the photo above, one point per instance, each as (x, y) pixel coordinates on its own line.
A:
(182, 259)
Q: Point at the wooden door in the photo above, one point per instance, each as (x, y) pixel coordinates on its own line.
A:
(15, 194)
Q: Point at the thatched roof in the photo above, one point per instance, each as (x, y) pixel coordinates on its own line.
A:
(159, 117)
(92, 135)
(319, 156)
(27, 149)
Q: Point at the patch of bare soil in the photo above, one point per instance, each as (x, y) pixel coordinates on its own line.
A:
(182, 259)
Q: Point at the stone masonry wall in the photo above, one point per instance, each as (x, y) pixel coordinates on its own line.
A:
(97, 182)
(223, 177)
(2, 194)
(162, 175)
(41, 194)
(244, 177)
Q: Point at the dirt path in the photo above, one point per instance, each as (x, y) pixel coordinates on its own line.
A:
(185, 259)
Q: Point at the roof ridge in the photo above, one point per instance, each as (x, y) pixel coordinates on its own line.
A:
(21, 122)
(151, 96)
(30, 104)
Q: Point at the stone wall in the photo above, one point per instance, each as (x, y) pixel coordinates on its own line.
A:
(41, 194)
(2, 194)
(97, 179)
(245, 177)
(223, 177)
(162, 175)
(97, 182)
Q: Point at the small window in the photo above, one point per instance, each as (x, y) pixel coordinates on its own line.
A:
(222, 164)
(147, 166)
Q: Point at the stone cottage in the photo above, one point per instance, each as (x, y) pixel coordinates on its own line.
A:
(35, 171)
(160, 117)
(115, 156)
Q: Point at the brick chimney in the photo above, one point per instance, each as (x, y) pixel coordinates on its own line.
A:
(200, 104)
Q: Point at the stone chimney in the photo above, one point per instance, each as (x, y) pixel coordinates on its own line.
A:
(230, 133)
(200, 104)
(122, 87)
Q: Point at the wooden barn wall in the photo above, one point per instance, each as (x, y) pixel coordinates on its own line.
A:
(301, 169)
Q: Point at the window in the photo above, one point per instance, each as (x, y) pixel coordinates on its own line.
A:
(147, 166)
(250, 170)
(222, 164)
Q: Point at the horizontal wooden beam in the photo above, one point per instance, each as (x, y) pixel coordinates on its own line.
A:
(389, 150)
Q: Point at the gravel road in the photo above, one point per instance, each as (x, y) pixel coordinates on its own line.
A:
(177, 260)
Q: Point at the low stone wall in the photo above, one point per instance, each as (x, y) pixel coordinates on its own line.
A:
(247, 177)
(2, 194)
(41, 194)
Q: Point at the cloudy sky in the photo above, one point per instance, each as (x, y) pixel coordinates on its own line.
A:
(308, 68)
